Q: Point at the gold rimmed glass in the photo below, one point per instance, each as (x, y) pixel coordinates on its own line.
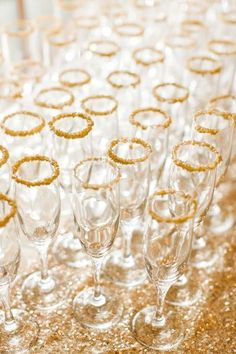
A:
(124, 266)
(36, 188)
(103, 110)
(53, 100)
(167, 246)
(23, 133)
(152, 124)
(11, 93)
(86, 27)
(18, 331)
(5, 170)
(225, 49)
(97, 212)
(71, 134)
(173, 98)
(204, 78)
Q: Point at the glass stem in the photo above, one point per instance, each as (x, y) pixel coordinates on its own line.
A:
(97, 275)
(10, 324)
(46, 282)
(127, 240)
(199, 240)
(159, 319)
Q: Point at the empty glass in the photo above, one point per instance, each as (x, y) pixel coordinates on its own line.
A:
(5, 170)
(96, 207)
(167, 246)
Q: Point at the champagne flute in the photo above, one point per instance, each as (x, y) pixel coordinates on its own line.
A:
(96, 207)
(5, 170)
(167, 247)
(18, 332)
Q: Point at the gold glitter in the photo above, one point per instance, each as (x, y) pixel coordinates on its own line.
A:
(157, 54)
(111, 78)
(86, 22)
(95, 47)
(85, 104)
(44, 181)
(229, 47)
(4, 221)
(171, 99)
(14, 93)
(5, 155)
(41, 103)
(193, 65)
(210, 113)
(166, 123)
(129, 29)
(74, 83)
(22, 133)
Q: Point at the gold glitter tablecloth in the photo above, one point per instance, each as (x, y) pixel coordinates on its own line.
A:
(210, 324)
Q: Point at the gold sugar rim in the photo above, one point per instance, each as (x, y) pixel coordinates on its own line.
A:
(192, 22)
(97, 97)
(45, 181)
(222, 41)
(215, 70)
(102, 185)
(183, 35)
(25, 63)
(229, 20)
(77, 135)
(83, 82)
(12, 212)
(174, 219)
(140, 29)
(165, 124)
(5, 155)
(108, 54)
(40, 20)
(150, 62)
(60, 43)
(90, 26)
(199, 128)
(23, 133)
(18, 92)
(54, 106)
(222, 97)
(136, 79)
(20, 33)
(191, 168)
(123, 161)
(173, 99)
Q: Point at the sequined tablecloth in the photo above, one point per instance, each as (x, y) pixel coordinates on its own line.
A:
(210, 324)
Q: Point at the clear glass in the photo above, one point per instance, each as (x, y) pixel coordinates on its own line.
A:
(36, 188)
(125, 266)
(5, 171)
(11, 93)
(167, 247)
(18, 331)
(96, 208)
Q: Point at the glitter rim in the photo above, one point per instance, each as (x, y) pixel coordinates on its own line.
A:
(18, 92)
(226, 19)
(215, 70)
(74, 84)
(140, 29)
(60, 43)
(43, 182)
(25, 63)
(191, 168)
(222, 41)
(165, 124)
(107, 54)
(150, 62)
(173, 99)
(99, 113)
(77, 135)
(54, 106)
(222, 97)
(23, 133)
(176, 220)
(123, 161)
(5, 155)
(185, 23)
(12, 212)
(136, 79)
(214, 112)
(183, 35)
(21, 33)
(102, 185)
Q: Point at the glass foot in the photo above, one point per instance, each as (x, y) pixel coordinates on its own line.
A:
(130, 272)
(23, 338)
(184, 294)
(45, 296)
(163, 337)
(221, 223)
(99, 313)
(205, 256)
(68, 251)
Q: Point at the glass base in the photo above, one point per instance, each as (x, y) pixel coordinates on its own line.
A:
(184, 295)
(165, 337)
(23, 338)
(205, 256)
(68, 251)
(99, 313)
(48, 296)
(130, 272)
(221, 223)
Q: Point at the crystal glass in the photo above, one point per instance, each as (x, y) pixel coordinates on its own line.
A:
(11, 93)
(86, 26)
(152, 124)
(167, 245)
(71, 135)
(125, 266)
(5, 170)
(18, 332)
(23, 133)
(103, 110)
(96, 207)
(76, 79)
(36, 188)
(193, 169)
